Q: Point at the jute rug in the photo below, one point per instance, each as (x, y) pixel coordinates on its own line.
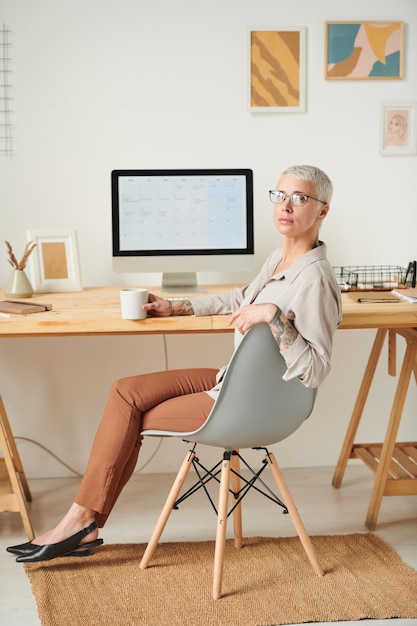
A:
(270, 581)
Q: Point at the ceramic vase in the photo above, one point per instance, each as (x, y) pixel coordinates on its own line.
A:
(18, 285)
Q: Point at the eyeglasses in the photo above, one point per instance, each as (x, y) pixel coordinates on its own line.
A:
(296, 199)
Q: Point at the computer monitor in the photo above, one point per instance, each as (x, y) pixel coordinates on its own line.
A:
(179, 222)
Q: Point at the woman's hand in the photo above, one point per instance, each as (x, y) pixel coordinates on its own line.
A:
(158, 307)
(251, 314)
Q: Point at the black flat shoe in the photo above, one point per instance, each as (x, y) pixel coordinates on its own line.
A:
(29, 547)
(85, 549)
(63, 548)
(22, 548)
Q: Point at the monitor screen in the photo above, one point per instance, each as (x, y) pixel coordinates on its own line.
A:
(182, 217)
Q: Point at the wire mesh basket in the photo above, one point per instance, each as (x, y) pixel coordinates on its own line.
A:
(370, 277)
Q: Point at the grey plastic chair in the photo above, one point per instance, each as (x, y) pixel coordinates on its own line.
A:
(255, 408)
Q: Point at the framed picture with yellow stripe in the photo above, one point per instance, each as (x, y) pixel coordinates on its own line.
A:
(277, 70)
(364, 50)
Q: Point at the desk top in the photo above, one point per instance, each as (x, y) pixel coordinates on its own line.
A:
(96, 311)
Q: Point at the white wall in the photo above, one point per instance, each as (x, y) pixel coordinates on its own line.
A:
(99, 85)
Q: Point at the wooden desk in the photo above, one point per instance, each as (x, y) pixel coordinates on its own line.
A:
(96, 311)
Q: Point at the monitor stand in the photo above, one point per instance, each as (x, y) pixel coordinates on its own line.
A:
(180, 282)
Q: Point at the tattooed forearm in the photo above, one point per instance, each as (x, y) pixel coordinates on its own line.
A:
(282, 329)
(182, 307)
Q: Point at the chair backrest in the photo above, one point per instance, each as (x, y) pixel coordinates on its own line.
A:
(255, 406)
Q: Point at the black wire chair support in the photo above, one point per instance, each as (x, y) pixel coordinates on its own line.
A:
(205, 476)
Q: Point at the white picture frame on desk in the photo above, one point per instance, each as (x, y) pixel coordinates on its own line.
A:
(54, 264)
(398, 136)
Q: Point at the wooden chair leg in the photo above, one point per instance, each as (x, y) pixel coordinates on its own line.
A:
(14, 479)
(221, 526)
(167, 509)
(237, 512)
(294, 514)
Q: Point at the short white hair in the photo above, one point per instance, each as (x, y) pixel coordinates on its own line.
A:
(322, 183)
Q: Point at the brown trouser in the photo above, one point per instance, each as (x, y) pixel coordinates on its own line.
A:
(171, 400)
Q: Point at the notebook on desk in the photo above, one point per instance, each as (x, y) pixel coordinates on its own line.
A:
(23, 308)
(370, 297)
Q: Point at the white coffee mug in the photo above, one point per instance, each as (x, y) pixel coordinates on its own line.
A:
(132, 300)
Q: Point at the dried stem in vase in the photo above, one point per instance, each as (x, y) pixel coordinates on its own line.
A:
(20, 265)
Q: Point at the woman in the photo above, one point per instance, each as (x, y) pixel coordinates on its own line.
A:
(295, 292)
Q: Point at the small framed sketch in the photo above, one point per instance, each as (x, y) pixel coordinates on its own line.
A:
(277, 70)
(398, 135)
(364, 50)
(54, 263)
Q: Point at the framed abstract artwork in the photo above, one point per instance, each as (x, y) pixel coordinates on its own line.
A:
(277, 70)
(398, 135)
(364, 50)
(55, 264)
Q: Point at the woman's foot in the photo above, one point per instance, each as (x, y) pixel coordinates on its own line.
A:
(83, 549)
(75, 535)
(77, 518)
(49, 551)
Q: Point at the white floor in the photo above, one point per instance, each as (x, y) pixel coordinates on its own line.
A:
(324, 511)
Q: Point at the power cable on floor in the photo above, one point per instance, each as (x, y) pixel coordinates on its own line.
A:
(68, 467)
